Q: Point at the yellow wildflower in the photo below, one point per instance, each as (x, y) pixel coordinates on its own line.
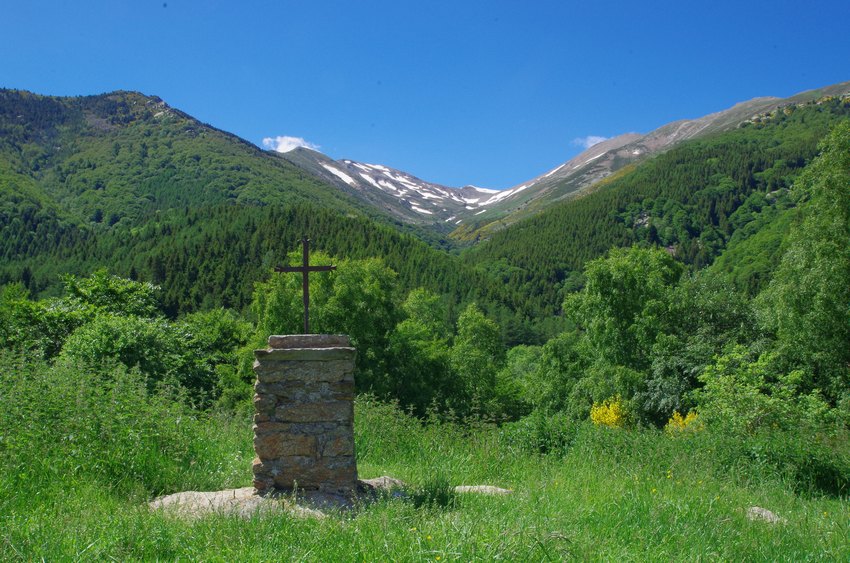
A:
(611, 412)
(679, 423)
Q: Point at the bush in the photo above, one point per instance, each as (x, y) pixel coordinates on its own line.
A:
(383, 431)
(152, 345)
(765, 424)
(810, 462)
(39, 327)
(114, 294)
(540, 433)
(743, 396)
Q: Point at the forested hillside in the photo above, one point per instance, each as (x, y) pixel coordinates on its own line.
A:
(729, 191)
(116, 157)
(211, 256)
(100, 166)
(124, 180)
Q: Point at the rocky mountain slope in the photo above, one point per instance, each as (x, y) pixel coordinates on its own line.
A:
(395, 192)
(609, 157)
(472, 212)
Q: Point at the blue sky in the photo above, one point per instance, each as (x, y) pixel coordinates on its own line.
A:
(485, 93)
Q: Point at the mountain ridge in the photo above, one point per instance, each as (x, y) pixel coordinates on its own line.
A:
(465, 213)
(471, 218)
(567, 181)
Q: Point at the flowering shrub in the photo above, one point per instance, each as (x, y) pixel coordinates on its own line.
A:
(610, 412)
(679, 423)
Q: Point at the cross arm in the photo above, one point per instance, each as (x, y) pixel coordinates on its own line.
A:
(302, 268)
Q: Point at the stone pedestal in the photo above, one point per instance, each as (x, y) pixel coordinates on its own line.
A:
(304, 421)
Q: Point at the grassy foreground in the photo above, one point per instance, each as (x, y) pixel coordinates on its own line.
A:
(80, 457)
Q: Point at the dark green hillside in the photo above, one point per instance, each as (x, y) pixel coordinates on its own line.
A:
(696, 200)
(30, 223)
(72, 168)
(125, 181)
(212, 255)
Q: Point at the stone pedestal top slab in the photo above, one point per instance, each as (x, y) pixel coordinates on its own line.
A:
(306, 354)
(309, 341)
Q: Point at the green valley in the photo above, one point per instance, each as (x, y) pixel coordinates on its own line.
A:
(650, 366)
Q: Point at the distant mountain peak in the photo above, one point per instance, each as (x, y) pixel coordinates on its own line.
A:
(403, 195)
(470, 207)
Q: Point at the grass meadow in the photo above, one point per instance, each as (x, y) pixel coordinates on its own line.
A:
(81, 456)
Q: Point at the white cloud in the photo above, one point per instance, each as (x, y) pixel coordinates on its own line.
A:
(283, 143)
(589, 141)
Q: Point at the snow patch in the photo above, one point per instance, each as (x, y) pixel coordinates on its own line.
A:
(340, 174)
(420, 210)
(593, 158)
(401, 179)
(553, 171)
(502, 195)
(370, 180)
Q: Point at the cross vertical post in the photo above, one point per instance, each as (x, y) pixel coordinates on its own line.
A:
(305, 270)
(305, 281)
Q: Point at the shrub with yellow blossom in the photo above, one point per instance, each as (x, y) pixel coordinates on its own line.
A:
(610, 412)
(679, 423)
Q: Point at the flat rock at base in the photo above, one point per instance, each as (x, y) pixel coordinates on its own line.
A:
(482, 490)
(245, 502)
(239, 502)
(759, 513)
(383, 483)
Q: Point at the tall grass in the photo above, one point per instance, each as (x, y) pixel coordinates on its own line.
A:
(60, 424)
(81, 452)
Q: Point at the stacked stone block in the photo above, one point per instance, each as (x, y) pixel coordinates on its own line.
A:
(304, 421)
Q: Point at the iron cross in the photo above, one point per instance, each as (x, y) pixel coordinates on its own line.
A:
(305, 270)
